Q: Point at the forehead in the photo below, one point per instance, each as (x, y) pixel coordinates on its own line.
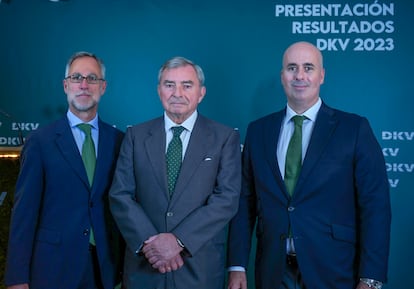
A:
(301, 55)
(85, 64)
(179, 74)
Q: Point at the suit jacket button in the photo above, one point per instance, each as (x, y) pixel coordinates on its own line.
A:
(86, 232)
(170, 214)
(291, 209)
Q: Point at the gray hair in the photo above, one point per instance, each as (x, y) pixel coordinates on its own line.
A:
(179, 61)
(85, 54)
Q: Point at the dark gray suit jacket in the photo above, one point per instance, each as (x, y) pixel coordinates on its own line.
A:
(205, 199)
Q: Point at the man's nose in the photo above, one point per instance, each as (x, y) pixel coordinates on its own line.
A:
(178, 90)
(84, 83)
(300, 74)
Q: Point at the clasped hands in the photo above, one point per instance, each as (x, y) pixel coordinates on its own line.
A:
(163, 252)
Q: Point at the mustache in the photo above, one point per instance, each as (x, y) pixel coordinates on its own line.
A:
(299, 83)
(84, 93)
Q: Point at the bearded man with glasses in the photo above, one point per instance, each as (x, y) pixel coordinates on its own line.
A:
(61, 231)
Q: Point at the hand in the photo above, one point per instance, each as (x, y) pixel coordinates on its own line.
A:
(163, 252)
(19, 286)
(237, 280)
(170, 265)
(163, 247)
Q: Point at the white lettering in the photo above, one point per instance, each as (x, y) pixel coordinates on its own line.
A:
(318, 10)
(336, 27)
(25, 126)
(387, 152)
(397, 135)
(399, 168)
(331, 44)
(10, 141)
(393, 182)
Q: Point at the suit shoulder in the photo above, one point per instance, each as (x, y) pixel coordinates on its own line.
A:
(215, 124)
(147, 125)
(348, 117)
(141, 131)
(112, 129)
(49, 130)
(346, 114)
(270, 118)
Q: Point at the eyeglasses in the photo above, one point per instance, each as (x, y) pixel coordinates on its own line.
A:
(78, 78)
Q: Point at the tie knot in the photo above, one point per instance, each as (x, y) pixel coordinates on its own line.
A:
(298, 119)
(85, 127)
(177, 130)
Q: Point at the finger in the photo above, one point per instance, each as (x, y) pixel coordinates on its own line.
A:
(162, 268)
(180, 263)
(154, 259)
(176, 262)
(146, 248)
(150, 239)
(173, 266)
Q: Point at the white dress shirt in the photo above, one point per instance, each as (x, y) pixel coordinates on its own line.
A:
(188, 124)
(79, 135)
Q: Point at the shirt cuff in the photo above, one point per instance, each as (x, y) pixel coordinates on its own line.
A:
(236, 268)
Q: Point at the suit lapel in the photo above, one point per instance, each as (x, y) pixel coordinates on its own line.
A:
(104, 159)
(324, 128)
(67, 146)
(155, 147)
(270, 139)
(200, 140)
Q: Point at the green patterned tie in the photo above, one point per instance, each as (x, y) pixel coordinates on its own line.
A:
(294, 155)
(89, 160)
(174, 157)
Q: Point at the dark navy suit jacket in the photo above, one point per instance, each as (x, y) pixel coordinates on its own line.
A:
(55, 207)
(339, 213)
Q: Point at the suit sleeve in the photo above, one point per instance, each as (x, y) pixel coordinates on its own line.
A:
(129, 215)
(242, 225)
(25, 214)
(373, 204)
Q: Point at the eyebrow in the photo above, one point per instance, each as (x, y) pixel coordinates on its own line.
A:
(182, 82)
(309, 64)
(306, 64)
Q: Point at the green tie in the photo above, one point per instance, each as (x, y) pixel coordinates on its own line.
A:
(88, 152)
(89, 160)
(174, 157)
(294, 155)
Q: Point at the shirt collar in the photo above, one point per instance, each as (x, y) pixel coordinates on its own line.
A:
(310, 114)
(188, 124)
(74, 120)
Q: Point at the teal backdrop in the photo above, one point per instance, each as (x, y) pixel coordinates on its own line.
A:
(368, 55)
